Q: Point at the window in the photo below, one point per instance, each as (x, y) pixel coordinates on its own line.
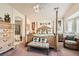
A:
(77, 26)
(70, 23)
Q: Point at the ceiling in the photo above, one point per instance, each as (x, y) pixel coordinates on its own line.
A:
(46, 10)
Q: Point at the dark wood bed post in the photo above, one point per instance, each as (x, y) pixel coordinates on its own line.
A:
(56, 33)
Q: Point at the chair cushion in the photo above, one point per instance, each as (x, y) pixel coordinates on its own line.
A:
(70, 42)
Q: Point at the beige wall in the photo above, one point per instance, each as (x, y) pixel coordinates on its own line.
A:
(73, 9)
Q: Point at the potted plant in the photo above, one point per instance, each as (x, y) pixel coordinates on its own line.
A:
(7, 17)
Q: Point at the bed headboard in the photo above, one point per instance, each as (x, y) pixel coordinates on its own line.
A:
(44, 30)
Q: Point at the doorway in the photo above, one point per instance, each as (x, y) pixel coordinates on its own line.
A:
(18, 35)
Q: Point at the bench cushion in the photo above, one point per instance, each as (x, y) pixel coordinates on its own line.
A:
(39, 44)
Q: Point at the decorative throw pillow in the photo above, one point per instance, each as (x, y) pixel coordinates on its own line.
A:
(37, 39)
(41, 39)
(34, 39)
(71, 38)
(45, 40)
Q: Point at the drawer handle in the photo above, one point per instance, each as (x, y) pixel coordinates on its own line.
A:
(4, 40)
(0, 47)
(5, 30)
(9, 44)
(5, 35)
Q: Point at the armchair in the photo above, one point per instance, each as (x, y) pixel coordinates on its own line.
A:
(70, 41)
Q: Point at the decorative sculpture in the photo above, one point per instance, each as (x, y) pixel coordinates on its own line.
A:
(7, 18)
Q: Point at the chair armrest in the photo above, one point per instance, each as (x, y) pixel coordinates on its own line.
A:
(64, 41)
(65, 38)
(77, 40)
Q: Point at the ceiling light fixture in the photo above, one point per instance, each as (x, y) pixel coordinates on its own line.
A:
(36, 8)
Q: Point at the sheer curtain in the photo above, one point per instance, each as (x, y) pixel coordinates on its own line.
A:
(70, 23)
(77, 25)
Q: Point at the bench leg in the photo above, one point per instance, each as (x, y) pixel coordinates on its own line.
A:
(47, 52)
(28, 48)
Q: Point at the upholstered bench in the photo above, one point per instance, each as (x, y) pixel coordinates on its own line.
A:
(39, 43)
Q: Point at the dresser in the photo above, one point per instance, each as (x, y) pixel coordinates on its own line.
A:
(6, 37)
